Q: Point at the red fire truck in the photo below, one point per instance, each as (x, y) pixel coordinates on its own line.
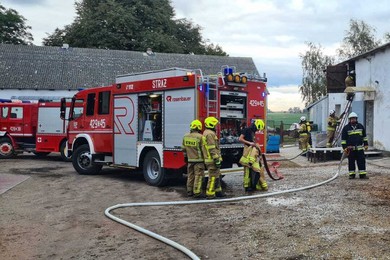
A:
(139, 121)
(31, 127)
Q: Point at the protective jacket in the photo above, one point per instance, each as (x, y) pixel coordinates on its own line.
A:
(193, 147)
(355, 136)
(303, 129)
(332, 123)
(211, 144)
(349, 81)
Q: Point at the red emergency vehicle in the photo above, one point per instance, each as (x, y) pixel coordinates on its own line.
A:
(31, 127)
(139, 121)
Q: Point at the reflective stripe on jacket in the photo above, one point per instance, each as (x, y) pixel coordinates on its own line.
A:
(354, 136)
(332, 123)
(211, 144)
(302, 129)
(192, 146)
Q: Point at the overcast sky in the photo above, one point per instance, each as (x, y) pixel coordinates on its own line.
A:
(272, 32)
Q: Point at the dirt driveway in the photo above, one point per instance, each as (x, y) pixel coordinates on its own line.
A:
(57, 214)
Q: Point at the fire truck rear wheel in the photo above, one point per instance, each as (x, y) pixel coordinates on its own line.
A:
(6, 148)
(154, 174)
(82, 161)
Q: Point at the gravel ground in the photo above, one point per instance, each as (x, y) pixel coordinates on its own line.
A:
(57, 214)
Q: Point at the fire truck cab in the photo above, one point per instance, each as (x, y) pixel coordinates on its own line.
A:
(31, 127)
(139, 121)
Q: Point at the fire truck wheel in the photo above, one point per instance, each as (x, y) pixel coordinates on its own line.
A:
(154, 174)
(6, 148)
(82, 161)
(64, 152)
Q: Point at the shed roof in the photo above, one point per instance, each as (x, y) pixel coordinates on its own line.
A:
(57, 68)
(368, 53)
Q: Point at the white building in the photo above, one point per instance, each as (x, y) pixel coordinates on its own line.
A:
(370, 102)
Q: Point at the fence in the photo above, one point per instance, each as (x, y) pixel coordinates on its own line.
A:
(287, 130)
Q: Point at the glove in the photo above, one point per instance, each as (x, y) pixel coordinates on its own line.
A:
(186, 159)
(217, 163)
(365, 147)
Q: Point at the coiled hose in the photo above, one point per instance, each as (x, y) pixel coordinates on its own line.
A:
(181, 248)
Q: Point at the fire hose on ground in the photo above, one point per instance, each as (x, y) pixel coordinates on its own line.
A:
(176, 245)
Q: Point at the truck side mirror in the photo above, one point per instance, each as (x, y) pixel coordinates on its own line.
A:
(63, 109)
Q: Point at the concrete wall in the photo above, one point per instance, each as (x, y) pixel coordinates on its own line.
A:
(318, 113)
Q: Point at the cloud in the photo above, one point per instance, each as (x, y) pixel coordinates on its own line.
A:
(28, 2)
(44, 16)
(272, 32)
(284, 97)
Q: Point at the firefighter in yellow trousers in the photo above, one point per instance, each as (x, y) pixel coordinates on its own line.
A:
(304, 135)
(193, 150)
(251, 158)
(213, 158)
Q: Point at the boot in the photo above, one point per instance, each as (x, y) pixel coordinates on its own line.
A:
(199, 196)
(220, 194)
(351, 176)
(363, 176)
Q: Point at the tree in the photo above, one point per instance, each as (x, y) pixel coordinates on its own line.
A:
(314, 62)
(359, 39)
(13, 27)
(387, 37)
(132, 25)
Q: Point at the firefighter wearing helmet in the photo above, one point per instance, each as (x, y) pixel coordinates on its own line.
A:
(350, 79)
(254, 178)
(212, 159)
(304, 134)
(333, 122)
(193, 150)
(354, 142)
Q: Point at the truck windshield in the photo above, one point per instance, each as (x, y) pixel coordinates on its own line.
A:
(77, 108)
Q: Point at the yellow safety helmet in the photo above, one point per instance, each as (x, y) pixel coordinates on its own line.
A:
(210, 122)
(259, 124)
(196, 125)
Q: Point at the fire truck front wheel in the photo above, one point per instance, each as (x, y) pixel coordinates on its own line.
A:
(154, 174)
(6, 148)
(82, 161)
(64, 152)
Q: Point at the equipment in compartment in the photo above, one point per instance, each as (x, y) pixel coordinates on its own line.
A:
(150, 121)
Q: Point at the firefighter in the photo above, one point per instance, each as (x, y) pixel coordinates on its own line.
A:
(350, 79)
(213, 158)
(304, 134)
(253, 171)
(354, 142)
(193, 150)
(333, 122)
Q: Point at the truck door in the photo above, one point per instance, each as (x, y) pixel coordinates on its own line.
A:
(179, 111)
(15, 121)
(125, 129)
(48, 121)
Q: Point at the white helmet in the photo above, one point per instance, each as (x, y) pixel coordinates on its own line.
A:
(352, 114)
(303, 118)
(331, 112)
